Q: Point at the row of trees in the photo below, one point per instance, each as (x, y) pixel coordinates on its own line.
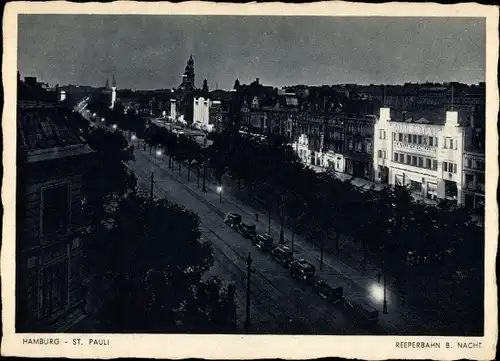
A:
(388, 222)
(148, 250)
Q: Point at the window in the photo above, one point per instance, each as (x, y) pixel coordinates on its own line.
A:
(400, 135)
(431, 141)
(408, 159)
(393, 136)
(415, 187)
(427, 163)
(455, 168)
(54, 288)
(445, 144)
(419, 139)
(445, 166)
(420, 161)
(55, 210)
(414, 139)
(469, 163)
(350, 144)
(451, 143)
(434, 164)
(436, 141)
(395, 157)
(480, 164)
(368, 147)
(413, 160)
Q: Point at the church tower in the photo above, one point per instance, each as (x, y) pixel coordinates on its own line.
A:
(188, 78)
(113, 92)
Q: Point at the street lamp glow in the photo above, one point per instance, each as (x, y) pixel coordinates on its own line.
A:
(102, 119)
(377, 292)
(134, 137)
(94, 114)
(219, 189)
(115, 126)
(158, 153)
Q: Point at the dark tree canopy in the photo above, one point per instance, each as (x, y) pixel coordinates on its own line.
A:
(157, 263)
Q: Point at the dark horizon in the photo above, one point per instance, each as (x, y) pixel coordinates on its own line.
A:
(150, 52)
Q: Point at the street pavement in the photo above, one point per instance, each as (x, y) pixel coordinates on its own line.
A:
(279, 304)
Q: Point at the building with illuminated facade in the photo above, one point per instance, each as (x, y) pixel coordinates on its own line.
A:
(423, 155)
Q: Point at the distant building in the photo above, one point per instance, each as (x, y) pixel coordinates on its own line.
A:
(113, 92)
(173, 109)
(201, 110)
(49, 262)
(188, 78)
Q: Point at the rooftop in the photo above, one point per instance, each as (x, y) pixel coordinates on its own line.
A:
(47, 133)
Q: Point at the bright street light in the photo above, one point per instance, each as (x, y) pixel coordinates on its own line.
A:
(158, 153)
(102, 119)
(219, 189)
(115, 126)
(377, 292)
(134, 137)
(94, 114)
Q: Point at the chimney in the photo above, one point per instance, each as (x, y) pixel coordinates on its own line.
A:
(452, 119)
(385, 114)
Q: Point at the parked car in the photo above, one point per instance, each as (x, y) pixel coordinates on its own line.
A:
(233, 220)
(303, 270)
(361, 312)
(264, 242)
(247, 230)
(328, 293)
(283, 255)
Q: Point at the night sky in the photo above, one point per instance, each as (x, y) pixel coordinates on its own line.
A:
(150, 52)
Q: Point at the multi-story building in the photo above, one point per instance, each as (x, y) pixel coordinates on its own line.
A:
(51, 162)
(201, 110)
(336, 141)
(358, 148)
(425, 154)
(474, 163)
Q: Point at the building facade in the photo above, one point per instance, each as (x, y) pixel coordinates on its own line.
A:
(428, 158)
(52, 160)
(201, 110)
(474, 165)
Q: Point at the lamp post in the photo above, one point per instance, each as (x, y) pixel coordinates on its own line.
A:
(384, 311)
(204, 164)
(152, 183)
(219, 189)
(282, 232)
(249, 272)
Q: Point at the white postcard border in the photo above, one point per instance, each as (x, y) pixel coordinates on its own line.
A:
(247, 347)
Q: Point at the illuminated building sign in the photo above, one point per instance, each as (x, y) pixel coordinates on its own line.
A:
(415, 147)
(414, 129)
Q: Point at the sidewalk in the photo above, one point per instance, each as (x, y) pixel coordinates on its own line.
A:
(358, 285)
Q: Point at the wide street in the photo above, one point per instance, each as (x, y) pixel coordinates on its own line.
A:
(279, 304)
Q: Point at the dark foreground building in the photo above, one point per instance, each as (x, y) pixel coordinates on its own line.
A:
(51, 161)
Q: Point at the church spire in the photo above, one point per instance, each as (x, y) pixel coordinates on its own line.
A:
(107, 83)
(113, 84)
